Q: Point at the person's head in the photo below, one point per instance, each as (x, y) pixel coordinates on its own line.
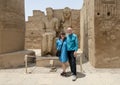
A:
(49, 11)
(62, 35)
(69, 30)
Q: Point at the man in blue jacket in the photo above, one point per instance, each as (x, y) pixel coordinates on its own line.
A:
(72, 47)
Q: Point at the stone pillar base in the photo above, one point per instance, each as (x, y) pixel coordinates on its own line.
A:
(46, 61)
(14, 59)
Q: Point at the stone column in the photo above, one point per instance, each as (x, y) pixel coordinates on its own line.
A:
(103, 24)
(12, 25)
(12, 33)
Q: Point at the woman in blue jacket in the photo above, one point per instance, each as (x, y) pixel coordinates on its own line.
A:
(62, 45)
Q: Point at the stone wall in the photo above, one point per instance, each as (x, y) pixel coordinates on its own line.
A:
(12, 34)
(12, 25)
(102, 21)
(34, 30)
(107, 33)
(84, 30)
(87, 28)
(34, 26)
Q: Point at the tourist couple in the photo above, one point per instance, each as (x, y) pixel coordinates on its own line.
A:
(68, 44)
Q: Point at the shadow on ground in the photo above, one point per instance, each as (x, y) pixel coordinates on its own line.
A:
(79, 75)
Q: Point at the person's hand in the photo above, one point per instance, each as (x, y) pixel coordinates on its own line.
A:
(75, 54)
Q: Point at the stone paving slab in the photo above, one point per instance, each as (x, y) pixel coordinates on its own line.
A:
(42, 76)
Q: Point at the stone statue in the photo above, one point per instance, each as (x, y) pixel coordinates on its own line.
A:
(66, 20)
(50, 27)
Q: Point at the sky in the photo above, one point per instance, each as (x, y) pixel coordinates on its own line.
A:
(31, 5)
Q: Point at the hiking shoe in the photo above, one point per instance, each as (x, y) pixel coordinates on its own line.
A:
(74, 77)
(63, 74)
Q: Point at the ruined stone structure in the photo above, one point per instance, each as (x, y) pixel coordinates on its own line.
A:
(100, 22)
(34, 29)
(12, 25)
(34, 26)
(12, 33)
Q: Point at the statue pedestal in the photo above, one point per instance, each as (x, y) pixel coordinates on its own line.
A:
(53, 61)
(14, 59)
(45, 61)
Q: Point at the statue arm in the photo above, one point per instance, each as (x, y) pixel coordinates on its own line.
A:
(44, 27)
(57, 25)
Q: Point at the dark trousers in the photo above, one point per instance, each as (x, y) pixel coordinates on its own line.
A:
(72, 62)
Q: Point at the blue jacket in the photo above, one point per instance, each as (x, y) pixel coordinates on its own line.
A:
(63, 57)
(72, 42)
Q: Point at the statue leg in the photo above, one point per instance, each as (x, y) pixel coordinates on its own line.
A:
(50, 43)
(44, 44)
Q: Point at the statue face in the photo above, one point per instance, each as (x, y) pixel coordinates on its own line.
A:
(49, 12)
(67, 14)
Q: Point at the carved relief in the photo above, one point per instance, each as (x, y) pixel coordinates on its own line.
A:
(108, 19)
(109, 1)
(109, 10)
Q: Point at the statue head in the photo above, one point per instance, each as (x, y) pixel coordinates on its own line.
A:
(67, 12)
(49, 12)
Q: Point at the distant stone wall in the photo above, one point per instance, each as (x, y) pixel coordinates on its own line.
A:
(34, 27)
(12, 25)
(102, 20)
(34, 30)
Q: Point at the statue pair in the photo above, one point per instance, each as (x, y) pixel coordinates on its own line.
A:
(51, 27)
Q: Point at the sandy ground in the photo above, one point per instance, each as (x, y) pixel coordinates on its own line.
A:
(43, 76)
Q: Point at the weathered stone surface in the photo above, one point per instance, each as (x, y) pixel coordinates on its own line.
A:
(12, 33)
(102, 21)
(14, 59)
(34, 30)
(84, 23)
(107, 33)
(12, 25)
(50, 28)
(46, 61)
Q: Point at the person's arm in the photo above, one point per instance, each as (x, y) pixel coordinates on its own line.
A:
(57, 44)
(56, 25)
(76, 46)
(43, 25)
